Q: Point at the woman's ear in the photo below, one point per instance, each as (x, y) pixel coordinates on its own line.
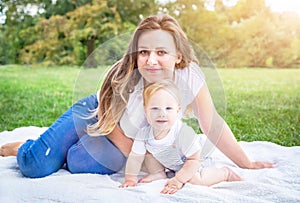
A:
(179, 58)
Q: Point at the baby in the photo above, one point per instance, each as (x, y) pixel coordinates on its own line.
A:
(171, 142)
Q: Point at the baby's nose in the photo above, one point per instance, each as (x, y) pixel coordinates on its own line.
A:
(162, 112)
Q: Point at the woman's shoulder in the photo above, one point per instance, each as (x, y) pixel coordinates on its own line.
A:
(193, 70)
(187, 136)
(187, 130)
(190, 80)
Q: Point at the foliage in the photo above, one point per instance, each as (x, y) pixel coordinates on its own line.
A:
(19, 17)
(245, 35)
(255, 38)
(132, 11)
(57, 7)
(16, 20)
(207, 29)
(72, 38)
(59, 39)
(68, 32)
(3, 46)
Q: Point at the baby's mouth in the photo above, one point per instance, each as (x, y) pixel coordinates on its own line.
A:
(161, 121)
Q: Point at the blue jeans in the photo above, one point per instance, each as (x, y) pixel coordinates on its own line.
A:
(66, 141)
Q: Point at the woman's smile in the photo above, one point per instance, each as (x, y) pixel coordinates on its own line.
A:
(154, 70)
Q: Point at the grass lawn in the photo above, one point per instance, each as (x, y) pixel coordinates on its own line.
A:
(259, 104)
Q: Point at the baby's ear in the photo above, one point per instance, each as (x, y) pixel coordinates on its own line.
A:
(179, 108)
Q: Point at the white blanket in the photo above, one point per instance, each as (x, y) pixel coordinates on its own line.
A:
(280, 184)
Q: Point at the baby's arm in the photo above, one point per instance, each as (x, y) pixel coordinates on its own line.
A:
(188, 170)
(133, 167)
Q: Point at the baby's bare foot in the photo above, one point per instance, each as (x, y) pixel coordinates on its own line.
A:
(151, 177)
(231, 175)
(10, 149)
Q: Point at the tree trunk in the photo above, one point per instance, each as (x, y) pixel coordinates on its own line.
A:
(90, 61)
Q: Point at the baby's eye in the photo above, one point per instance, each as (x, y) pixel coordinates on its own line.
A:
(169, 108)
(154, 108)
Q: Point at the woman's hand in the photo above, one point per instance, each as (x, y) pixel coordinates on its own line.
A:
(260, 165)
(172, 186)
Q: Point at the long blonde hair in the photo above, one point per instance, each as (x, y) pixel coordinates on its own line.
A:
(123, 75)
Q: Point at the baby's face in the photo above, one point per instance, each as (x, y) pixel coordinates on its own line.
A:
(162, 111)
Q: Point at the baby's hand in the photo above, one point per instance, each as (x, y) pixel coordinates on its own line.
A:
(172, 186)
(128, 183)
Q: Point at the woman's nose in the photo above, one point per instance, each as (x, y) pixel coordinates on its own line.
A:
(152, 58)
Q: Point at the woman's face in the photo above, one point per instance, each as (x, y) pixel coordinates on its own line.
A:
(157, 55)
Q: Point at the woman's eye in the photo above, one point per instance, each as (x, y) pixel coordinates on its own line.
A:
(169, 108)
(143, 52)
(154, 108)
(161, 52)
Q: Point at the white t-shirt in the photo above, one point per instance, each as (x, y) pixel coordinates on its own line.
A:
(189, 81)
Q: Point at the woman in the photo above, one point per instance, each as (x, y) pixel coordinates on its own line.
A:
(158, 49)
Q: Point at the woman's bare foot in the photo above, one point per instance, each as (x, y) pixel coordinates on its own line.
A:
(151, 177)
(231, 175)
(10, 149)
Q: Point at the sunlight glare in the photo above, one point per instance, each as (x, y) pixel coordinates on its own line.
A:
(284, 5)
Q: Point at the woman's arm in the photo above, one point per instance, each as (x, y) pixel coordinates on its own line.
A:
(219, 133)
(133, 167)
(120, 140)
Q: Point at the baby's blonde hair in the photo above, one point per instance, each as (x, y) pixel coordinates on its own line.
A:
(167, 85)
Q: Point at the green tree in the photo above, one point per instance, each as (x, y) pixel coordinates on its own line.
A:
(47, 43)
(263, 39)
(71, 38)
(58, 39)
(245, 9)
(286, 41)
(208, 29)
(245, 35)
(252, 41)
(60, 7)
(3, 47)
(132, 11)
(19, 17)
